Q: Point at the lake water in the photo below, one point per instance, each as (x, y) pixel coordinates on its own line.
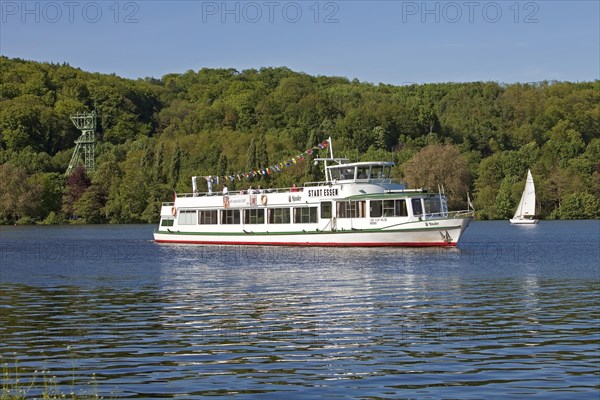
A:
(514, 311)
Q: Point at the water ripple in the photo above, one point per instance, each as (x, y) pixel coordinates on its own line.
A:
(184, 321)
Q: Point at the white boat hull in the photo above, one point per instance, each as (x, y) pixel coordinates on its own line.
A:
(440, 233)
(523, 221)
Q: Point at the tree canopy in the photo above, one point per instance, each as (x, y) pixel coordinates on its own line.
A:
(154, 134)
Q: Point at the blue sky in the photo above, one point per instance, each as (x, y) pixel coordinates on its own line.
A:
(394, 42)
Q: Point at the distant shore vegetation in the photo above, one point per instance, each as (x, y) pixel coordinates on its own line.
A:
(155, 134)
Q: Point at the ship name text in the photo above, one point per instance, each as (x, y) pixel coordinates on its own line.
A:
(322, 192)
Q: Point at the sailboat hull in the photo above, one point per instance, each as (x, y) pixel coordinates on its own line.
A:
(523, 221)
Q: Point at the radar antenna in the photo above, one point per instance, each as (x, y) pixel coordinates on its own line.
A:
(84, 145)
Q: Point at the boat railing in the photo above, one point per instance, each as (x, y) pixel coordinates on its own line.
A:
(237, 192)
(443, 215)
(464, 214)
(382, 181)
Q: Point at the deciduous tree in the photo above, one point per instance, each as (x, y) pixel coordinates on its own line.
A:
(440, 165)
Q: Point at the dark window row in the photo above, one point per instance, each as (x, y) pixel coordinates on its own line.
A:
(303, 215)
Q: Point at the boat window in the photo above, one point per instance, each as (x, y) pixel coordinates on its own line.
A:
(230, 217)
(167, 222)
(207, 217)
(387, 172)
(375, 209)
(395, 208)
(279, 215)
(305, 215)
(432, 205)
(187, 217)
(400, 208)
(389, 208)
(377, 172)
(335, 173)
(254, 216)
(326, 210)
(351, 209)
(347, 173)
(363, 173)
(416, 206)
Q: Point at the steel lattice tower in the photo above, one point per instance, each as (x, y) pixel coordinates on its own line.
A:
(84, 145)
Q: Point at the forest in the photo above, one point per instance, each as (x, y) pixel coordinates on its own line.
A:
(253, 128)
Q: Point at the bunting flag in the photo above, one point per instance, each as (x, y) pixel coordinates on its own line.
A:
(263, 171)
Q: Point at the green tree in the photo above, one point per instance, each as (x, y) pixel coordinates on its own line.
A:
(262, 155)
(580, 206)
(564, 143)
(50, 187)
(77, 183)
(21, 124)
(222, 165)
(17, 193)
(504, 206)
(560, 183)
(175, 166)
(90, 206)
(159, 164)
(440, 165)
(251, 161)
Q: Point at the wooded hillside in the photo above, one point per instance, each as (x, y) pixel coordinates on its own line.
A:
(154, 134)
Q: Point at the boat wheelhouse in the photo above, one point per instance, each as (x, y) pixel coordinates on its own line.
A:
(357, 205)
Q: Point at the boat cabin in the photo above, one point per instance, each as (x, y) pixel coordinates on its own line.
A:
(364, 171)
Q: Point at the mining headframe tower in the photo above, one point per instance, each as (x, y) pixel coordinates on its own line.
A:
(85, 144)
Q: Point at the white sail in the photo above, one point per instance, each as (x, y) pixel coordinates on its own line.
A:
(526, 206)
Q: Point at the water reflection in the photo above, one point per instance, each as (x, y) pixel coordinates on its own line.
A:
(260, 322)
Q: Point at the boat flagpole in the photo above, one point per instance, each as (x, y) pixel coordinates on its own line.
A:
(330, 147)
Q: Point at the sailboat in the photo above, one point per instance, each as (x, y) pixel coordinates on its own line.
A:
(526, 210)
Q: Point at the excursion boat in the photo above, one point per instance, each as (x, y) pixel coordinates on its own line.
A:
(357, 205)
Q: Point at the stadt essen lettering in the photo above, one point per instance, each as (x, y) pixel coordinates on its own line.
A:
(322, 192)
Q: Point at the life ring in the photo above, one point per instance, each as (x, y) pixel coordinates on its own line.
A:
(173, 211)
(264, 200)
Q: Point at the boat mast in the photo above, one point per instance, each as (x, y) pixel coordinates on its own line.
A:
(325, 161)
(338, 160)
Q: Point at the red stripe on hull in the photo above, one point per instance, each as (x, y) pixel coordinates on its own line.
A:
(329, 244)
